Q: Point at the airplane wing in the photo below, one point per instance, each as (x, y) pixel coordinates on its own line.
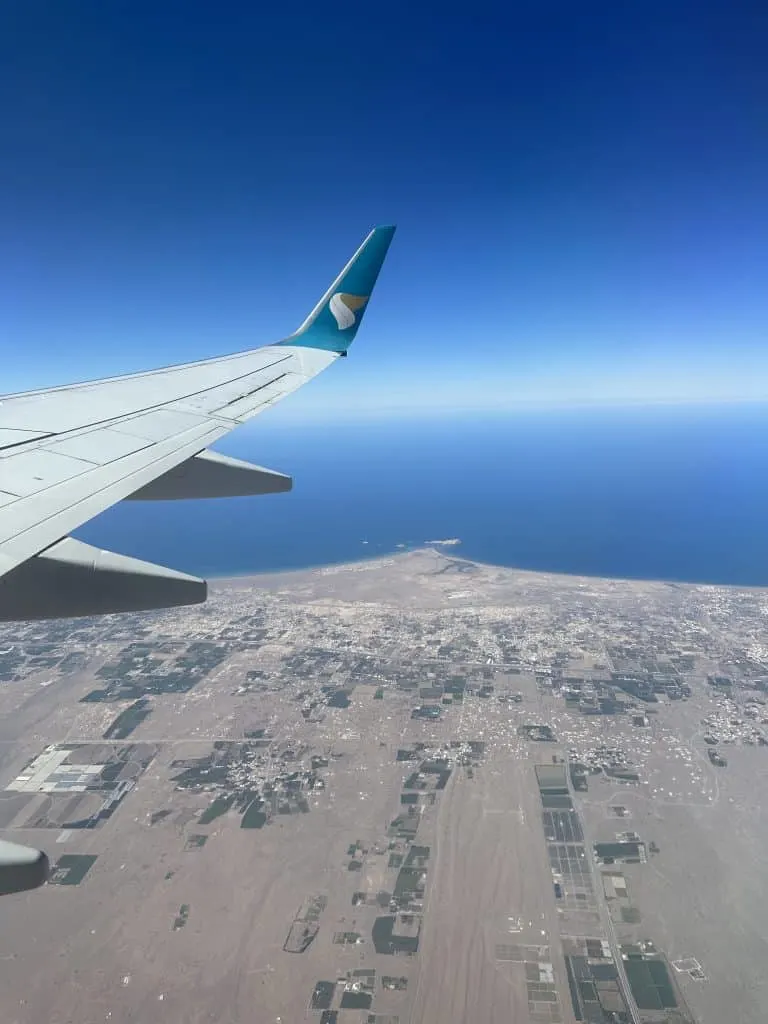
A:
(68, 453)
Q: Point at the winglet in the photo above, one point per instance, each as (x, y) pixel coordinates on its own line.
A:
(334, 322)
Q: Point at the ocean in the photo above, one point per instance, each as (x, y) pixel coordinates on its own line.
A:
(673, 493)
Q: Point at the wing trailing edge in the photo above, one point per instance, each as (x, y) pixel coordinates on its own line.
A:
(211, 475)
(73, 578)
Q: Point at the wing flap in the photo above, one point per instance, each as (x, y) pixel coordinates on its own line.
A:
(73, 578)
(211, 475)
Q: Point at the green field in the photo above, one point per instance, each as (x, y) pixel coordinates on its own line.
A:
(71, 868)
(219, 806)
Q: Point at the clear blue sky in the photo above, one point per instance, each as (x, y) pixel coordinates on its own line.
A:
(580, 191)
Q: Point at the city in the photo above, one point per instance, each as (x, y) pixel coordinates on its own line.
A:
(413, 788)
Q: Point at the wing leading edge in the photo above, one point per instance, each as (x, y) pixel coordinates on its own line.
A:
(68, 453)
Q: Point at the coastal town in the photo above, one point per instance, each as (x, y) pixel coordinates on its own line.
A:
(376, 791)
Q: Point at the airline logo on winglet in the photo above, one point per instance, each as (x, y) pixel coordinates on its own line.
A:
(344, 306)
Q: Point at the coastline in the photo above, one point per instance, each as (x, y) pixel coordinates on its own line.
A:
(585, 579)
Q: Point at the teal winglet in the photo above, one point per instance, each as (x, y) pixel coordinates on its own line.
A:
(335, 320)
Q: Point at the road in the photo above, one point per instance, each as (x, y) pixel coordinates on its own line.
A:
(606, 920)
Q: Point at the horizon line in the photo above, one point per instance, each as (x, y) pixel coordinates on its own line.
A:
(322, 413)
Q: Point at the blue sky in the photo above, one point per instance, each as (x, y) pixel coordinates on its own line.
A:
(579, 189)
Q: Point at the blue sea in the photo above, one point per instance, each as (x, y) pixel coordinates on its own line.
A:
(674, 493)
